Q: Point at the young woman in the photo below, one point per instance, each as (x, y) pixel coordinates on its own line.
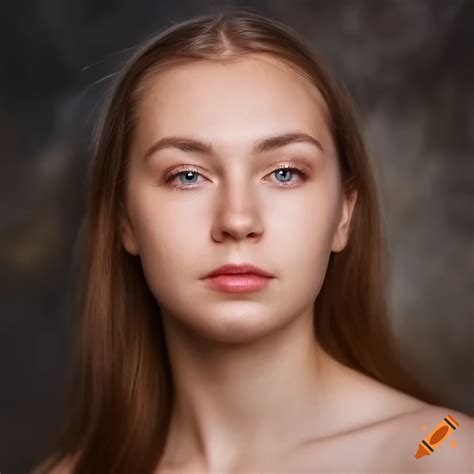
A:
(234, 315)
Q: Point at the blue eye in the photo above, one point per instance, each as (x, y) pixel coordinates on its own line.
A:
(186, 174)
(284, 172)
(189, 174)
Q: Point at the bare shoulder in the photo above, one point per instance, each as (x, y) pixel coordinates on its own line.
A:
(383, 432)
(454, 455)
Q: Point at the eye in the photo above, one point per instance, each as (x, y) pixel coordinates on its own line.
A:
(287, 171)
(189, 175)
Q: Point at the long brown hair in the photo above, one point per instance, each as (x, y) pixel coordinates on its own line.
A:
(122, 391)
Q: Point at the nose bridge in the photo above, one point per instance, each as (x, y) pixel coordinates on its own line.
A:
(238, 207)
(237, 197)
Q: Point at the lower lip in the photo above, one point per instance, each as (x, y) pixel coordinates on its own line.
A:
(237, 283)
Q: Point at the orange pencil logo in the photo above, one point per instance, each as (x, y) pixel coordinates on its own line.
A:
(444, 429)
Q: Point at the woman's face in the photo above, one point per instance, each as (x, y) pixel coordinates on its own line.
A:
(235, 207)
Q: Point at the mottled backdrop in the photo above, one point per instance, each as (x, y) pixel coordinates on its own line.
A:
(407, 63)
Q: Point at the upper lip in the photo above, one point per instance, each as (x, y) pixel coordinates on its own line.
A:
(238, 268)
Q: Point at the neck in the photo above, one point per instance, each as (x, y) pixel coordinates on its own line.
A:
(236, 398)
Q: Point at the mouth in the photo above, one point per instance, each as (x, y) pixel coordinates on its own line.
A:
(237, 282)
(242, 269)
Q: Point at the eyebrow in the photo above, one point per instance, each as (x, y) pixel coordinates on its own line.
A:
(265, 144)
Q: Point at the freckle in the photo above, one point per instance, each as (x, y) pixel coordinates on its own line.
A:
(453, 443)
(424, 427)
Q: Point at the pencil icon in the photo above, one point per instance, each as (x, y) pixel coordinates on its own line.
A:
(444, 429)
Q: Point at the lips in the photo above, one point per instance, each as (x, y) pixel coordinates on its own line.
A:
(240, 268)
(237, 282)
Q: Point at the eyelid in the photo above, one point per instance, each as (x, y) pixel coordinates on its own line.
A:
(284, 164)
(291, 164)
(181, 168)
(302, 171)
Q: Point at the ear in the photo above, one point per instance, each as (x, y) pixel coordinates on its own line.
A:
(127, 233)
(341, 236)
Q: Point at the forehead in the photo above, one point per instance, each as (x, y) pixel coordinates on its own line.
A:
(230, 102)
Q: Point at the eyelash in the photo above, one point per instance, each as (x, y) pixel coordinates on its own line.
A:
(293, 167)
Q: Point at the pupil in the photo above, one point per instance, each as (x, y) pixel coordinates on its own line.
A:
(284, 171)
(189, 174)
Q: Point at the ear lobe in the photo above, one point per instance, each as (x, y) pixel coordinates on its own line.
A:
(341, 236)
(127, 234)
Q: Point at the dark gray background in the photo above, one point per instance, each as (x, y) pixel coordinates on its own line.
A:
(407, 64)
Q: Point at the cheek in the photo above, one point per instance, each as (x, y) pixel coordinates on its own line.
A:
(167, 239)
(301, 238)
(306, 221)
(165, 236)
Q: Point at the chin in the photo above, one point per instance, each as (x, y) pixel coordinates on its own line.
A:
(239, 330)
(228, 330)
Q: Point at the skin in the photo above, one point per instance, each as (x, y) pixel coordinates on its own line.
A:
(254, 389)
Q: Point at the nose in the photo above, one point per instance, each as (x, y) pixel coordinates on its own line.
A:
(237, 216)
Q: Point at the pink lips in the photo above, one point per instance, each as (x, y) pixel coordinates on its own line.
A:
(238, 283)
(238, 278)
